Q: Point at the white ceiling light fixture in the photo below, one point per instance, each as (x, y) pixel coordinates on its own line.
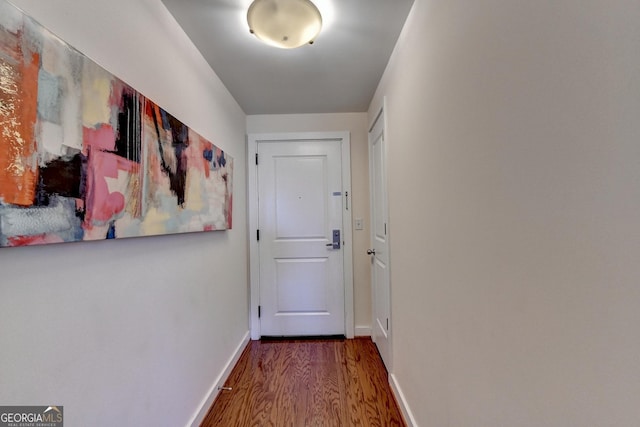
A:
(284, 23)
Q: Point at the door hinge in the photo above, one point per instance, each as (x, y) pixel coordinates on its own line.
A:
(256, 159)
(385, 228)
(259, 311)
(258, 234)
(387, 324)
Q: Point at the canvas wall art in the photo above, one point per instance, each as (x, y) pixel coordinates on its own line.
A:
(84, 156)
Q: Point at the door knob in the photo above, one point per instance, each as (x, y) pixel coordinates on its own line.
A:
(371, 251)
(336, 240)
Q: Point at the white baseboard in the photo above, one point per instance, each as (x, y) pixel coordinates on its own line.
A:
(213, 391)
(402, 402)
(363, 331)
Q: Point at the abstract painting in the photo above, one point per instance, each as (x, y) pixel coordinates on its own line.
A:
(84, 156)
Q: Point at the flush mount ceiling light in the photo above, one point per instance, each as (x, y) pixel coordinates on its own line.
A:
(284, 23)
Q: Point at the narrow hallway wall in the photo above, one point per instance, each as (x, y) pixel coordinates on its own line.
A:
(130, 332)
(514, 204)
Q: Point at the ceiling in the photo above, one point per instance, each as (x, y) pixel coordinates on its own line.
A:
(338, 73)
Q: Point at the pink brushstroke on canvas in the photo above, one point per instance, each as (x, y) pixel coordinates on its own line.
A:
(100, 138)
(102, 204)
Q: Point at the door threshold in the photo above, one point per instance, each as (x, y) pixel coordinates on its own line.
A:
(271, 338)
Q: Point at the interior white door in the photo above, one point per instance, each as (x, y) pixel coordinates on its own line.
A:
(380, 243)
(299, 210)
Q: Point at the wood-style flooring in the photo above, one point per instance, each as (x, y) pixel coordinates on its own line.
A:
(302, 383)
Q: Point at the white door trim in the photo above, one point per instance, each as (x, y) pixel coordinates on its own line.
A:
(252, 205)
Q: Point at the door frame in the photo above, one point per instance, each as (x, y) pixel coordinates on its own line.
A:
(253, 139)
(381, 115)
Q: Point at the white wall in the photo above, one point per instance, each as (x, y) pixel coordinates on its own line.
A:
(514, 190)
(131, 332)
(356, 124)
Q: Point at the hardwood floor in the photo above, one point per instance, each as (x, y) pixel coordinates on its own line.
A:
(301, 383)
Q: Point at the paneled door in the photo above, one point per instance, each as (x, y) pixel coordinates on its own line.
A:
(300, 202)
(379, 251)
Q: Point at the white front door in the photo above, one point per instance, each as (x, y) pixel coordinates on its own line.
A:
(300, 202)
(380, 243)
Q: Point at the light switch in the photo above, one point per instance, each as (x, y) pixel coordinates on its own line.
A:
(359, 224)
